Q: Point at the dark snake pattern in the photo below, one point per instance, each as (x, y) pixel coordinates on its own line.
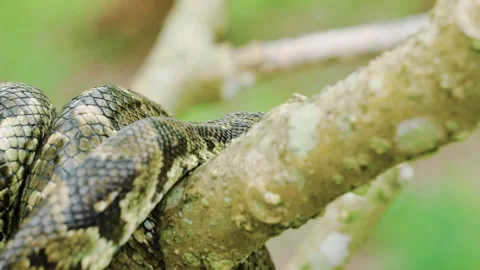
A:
(77, 189)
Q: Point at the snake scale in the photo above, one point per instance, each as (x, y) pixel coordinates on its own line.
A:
(75, 187)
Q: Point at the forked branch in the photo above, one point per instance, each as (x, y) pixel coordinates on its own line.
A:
(186, 66)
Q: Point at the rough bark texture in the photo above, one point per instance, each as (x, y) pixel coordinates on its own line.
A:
(307, 152)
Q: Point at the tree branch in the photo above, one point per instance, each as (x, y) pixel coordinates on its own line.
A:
(347, 222)
(305, 153)
(186, 67)
(265, 59)
(177, 72)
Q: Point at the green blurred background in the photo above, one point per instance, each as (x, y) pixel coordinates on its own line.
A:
(66, 47)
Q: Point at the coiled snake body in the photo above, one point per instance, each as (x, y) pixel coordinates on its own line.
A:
(89, 187)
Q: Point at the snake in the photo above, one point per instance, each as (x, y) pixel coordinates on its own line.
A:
(78, 186)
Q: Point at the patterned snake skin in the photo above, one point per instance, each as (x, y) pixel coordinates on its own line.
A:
(77, 189)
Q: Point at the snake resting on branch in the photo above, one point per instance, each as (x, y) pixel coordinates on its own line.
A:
(75, 187)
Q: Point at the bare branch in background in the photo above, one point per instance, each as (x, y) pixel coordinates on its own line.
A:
(305, 153)
(265, 59)
(186, 67)
(347, 222)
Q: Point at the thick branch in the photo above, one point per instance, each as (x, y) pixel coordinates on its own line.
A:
(305, 153)
(347, 222)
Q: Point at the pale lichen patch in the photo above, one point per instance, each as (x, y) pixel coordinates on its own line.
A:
(377, 84)
(335, 248)
(301, 131)
(406, 173)
(418, 135)
(272, 198)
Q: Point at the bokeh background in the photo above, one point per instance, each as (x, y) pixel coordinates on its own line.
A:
(66, 47)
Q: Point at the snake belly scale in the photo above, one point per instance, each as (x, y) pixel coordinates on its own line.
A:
(75, 187)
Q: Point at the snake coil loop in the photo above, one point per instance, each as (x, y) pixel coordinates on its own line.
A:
(74, 187)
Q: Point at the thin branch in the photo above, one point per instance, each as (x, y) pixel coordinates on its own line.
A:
(265, 59)
(305, 153)
(186, 67)
(347, 222)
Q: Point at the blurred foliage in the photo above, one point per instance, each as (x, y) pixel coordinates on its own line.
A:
(433, 228)
(34, 39)
(436, 229)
